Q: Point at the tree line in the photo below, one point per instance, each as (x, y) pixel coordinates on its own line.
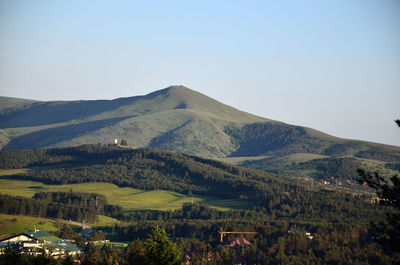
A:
(60, 205)
(81, 199)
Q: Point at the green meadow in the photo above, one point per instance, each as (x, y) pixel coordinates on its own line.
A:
(119, 245)
(14, 224)
(9, 172)
(128, 198)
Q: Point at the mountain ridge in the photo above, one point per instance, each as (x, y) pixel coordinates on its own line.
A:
(175, 118)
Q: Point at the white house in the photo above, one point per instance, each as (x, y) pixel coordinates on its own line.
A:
(36, 242)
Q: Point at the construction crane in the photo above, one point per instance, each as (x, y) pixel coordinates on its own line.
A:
(222, 233)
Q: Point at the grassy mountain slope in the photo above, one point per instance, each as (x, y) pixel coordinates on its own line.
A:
(175, 119)
(8, 104)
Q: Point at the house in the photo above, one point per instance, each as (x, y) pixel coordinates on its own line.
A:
(24, 243)
(55, 246)
(12, 240)
(240, 241)
(299, 230)
(39, 242)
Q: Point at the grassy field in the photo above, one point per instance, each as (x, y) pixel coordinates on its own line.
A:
(300, 157)
(9, 172)
(128, 198)
(297, 158)
(14, 224)
(379, 166)
(106, 221)
(114, 244)
(239, 159)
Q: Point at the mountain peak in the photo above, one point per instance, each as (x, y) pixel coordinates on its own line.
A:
(182, 91)
(171, 90)
(177, 88)
(186, 98)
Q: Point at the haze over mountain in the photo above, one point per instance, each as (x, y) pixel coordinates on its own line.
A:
(175, 119)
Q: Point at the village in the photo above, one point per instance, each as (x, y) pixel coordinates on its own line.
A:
(36, 242)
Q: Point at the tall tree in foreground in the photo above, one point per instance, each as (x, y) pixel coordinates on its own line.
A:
(156, 250)
(388, 191)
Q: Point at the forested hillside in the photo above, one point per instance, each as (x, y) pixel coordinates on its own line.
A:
(339, 222)
(152, 169)
(144, 169)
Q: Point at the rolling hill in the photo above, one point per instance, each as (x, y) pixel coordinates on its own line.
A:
(175, 119)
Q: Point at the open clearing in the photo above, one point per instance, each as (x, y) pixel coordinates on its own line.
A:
(14, 224)
(128, 198)
(239, 159)
(7, 172)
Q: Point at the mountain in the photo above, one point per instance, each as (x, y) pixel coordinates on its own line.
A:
(175, 119)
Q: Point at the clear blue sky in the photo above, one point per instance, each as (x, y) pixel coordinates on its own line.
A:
(329, 65)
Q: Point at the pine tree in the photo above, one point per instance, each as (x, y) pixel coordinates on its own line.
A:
(388, 190)
(161, 251)
(156, 250)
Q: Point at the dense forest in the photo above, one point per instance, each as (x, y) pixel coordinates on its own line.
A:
(60, 205)
(194, 229)
(283, 209)
(274, 244)
(81, 199)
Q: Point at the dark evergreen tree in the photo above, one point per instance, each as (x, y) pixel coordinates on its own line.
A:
(388, 191)
(155, 250)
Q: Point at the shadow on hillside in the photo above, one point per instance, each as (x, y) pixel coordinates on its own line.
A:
(167, 137)
(43, 113)
(48, 137)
